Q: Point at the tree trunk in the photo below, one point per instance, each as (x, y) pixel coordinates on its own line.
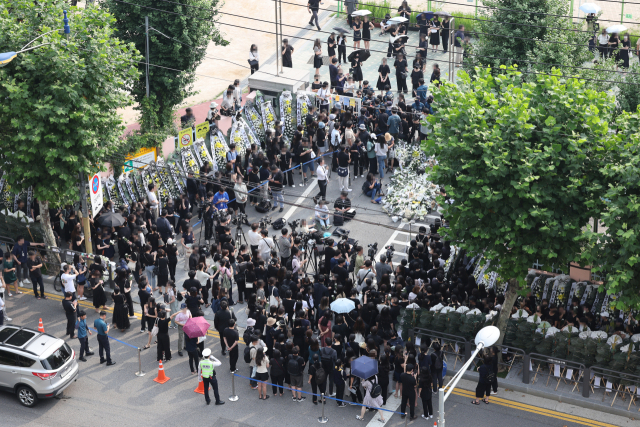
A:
(49, 237)
(505, 313)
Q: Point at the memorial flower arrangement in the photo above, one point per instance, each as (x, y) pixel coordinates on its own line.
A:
(178, 181)
(303, 107)
(114, 195)
(189, 162)
(203, 154)
(138, 184)
(7, 197)
(409, 196)
(268, 115)
(161, 189)
(218, 148)
(255, 122)
(127, 184)
(165, 177)
(122, 190)
(286, 114)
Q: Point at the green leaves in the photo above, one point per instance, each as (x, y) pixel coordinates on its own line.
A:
(551, 121)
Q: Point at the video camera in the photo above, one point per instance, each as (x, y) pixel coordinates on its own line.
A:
(264, 222)
(239, 219)
(373, 249)
(390, 250)
(294, 224)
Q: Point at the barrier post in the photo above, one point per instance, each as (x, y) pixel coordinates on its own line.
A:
(322, 419)
(140, 373)
(586, 381)
(233, 396)
(526, 373)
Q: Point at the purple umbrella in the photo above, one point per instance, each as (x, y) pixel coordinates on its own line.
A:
(364, 367)
(196, 327)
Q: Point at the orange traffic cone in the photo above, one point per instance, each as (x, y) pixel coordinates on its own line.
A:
(200, 388)
(161, 378)
(40, 326)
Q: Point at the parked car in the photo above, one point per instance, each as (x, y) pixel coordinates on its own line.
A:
(35, 365)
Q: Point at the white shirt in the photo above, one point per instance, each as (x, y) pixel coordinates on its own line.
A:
(226, 101)
(321, 172)
(264, 248)
(153, 200)
(254, 56)
(202, 277)
(67, 282)
(1, 304)
(324, 95)
(336, 139)
(237, 94)
(603, 39)
(295, 265)
(381, 151)
(254, 238)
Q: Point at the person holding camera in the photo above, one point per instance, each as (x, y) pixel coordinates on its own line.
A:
(285, 243)
(383, 267)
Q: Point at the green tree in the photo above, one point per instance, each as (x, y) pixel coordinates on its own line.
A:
(628, 96)
(616, 253)
(528, 35)
(183, 48)
(58, 113)
(520, 159)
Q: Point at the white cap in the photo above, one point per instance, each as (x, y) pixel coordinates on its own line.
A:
(251, 322)
(169, 241)
(214, 105)
(206, 352)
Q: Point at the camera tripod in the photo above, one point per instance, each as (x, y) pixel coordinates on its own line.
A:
(240, 235)
(310, 254)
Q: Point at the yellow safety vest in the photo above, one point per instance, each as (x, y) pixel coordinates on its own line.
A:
(206, 368)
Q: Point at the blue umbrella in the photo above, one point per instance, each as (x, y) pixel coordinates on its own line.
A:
(428, 15)
(364, 367)
(343, 305)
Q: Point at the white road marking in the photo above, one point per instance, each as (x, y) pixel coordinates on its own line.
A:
(393, 403)
(301, 199)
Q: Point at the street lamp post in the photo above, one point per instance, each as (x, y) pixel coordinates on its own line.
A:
(486, 337)
(7, 57)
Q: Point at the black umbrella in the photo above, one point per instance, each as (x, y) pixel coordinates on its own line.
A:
(340, 30)
(402, 39)
(362, 54)
(110, 219)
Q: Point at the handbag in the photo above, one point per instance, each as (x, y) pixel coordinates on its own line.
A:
(154, 331)
(156, 270)
(253, 63)
(342, 172)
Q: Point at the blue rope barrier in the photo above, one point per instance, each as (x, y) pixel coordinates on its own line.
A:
(319, 395)
(115, 339)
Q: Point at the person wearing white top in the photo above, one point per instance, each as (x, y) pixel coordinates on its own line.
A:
(381, 154)
(265, 246)
(603, 44)
(153, 201)
(237, 94)
(254, 58)
(323, 179)
(254, 237)
(324, 94)
(322, 215)
(1, 311)
(68, 279)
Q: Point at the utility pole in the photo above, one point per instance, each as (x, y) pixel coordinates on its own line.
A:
(88, 244)
(146, 50)
(278, 45)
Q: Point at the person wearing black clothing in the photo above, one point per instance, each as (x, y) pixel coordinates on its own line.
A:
(485, 377)
(341, 207)
(34, 264)
(383, 376)
(444, 33)
(286, 51)
(277, 372)
(437, 363)
(313, 6)
(144, 296)
(340, 272)
(69, 305)
(356, 155)
(416, 75)
(457, 43)
(494, 369)
(383, 76)
(383, 117)
(424, 385)
(164, 347)
(401, 72)
(304, 153)
(408, 380)
(221, 322)
(231, 338)
(333, 72)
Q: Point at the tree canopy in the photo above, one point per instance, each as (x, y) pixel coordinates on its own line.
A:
(176, 43)
(521, 161)
(58, 115)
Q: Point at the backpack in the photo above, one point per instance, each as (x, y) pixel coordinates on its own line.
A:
(438, 363)
(376, 390)
(293, 367)
(290, 264)
(247, 354)
(247, 336)
(326, 360)
(215, 306)
(264, 206)
(321, 375)
(226, 281)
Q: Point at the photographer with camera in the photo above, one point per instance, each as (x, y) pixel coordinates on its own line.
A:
(285, 243)
(265, 246)
(366, 272)
(341, 207)
(385, 266)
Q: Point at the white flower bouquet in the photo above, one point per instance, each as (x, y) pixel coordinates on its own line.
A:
(268, 115)
(164, 174)
(177, 178)
(303, 107)
(162, 190)
(202, 153)
(286, 114)
(409, 196)
(462, 309)
(189, 162)
(129, 186)
(255, 122)
(520, 314)
(473, 312)
(218, 148)
(436, 307)
(122, 188)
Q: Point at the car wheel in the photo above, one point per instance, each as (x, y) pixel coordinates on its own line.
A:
(27, 396)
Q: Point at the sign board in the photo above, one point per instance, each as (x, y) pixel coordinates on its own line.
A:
(140, 160)
(95, 192)
(201, 130)
(185, 137)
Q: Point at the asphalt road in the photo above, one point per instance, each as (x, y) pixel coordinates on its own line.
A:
(115, 396)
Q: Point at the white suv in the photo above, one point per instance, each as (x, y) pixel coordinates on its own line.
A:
(34, 365)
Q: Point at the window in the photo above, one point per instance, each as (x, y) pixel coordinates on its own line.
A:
(58, 358)
(6, 333)
(20, 338)
(25, 362)
(8, 359)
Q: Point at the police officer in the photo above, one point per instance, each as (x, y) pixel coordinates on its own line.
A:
(208, 373)
(208, 217)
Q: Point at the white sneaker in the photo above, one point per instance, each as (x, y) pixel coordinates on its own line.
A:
(82, 298)
(361, 176)
(355, 177)
(426, 418)
(430, 416)
(8, 319)
(27, 281)
(301, 185)
(348, 189)
(293, 185)
(21, 285)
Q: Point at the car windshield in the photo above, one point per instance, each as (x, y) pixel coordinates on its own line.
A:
(20, 338)
(6, 333)
(58, 358)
